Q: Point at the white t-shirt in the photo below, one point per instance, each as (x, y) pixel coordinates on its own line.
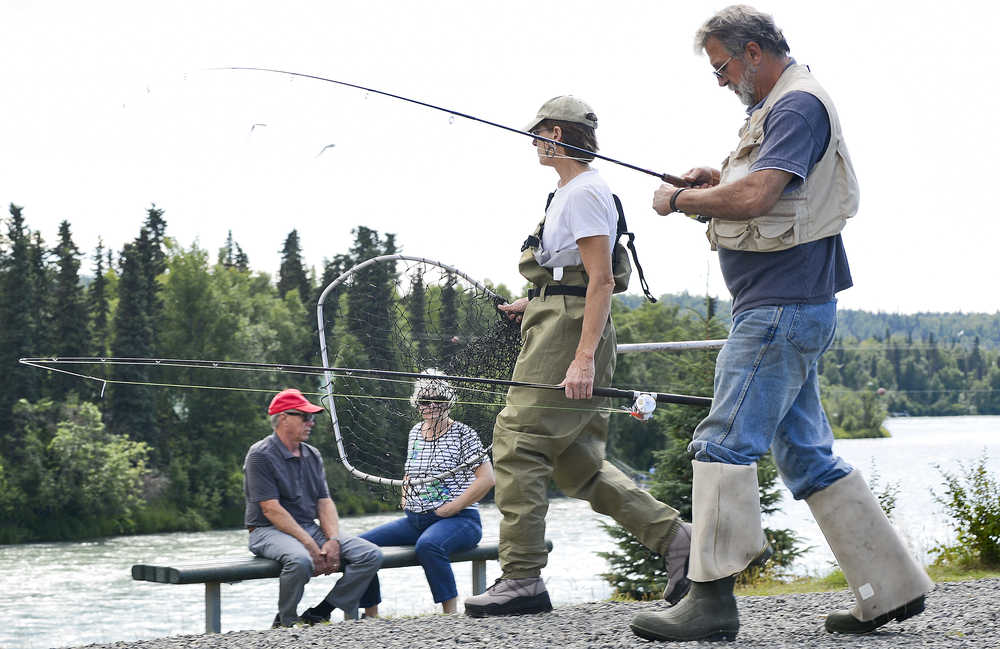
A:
(583, 207)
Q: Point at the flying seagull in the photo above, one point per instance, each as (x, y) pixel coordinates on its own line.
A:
(255, 126)
(328, 146)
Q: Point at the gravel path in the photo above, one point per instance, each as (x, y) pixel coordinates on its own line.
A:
(961, 614)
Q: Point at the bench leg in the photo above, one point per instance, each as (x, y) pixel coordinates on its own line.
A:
(213, 607)
(478, 577)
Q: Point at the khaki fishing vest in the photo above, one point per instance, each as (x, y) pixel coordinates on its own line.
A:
(817, 209)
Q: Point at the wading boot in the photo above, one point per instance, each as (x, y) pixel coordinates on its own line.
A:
(510, 597)
(843, 621)
(887, 582)
(726, 537)
(708, 612)
(676, 562)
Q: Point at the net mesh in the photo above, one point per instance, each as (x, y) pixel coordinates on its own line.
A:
(411, 315)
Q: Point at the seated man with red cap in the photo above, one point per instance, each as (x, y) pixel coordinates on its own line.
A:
(286, 492)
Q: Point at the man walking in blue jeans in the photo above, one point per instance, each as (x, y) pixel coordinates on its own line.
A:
(286, 492)
(776, 210)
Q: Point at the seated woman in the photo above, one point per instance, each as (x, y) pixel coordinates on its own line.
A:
(441, 516)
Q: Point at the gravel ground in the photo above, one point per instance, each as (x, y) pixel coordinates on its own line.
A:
(961, 614)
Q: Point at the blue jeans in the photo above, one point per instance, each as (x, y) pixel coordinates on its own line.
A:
(435, 539)
(767, 397)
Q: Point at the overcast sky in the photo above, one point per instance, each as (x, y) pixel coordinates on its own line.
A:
(108, 107)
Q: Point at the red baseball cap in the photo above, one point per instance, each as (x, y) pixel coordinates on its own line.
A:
(291, 399)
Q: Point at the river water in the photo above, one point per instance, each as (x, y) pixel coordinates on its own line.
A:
(59, 594)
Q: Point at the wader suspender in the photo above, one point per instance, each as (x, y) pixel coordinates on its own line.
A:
(535, 241)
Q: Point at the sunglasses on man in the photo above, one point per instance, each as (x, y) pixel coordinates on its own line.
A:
(307, 417)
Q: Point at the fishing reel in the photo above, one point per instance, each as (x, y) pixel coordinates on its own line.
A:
(643, 406)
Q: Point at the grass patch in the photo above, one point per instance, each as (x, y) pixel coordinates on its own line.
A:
(841, 433)
(835, 581)
(953, 573)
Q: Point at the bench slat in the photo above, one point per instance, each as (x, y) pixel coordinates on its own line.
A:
(260, 568)
(213, 573)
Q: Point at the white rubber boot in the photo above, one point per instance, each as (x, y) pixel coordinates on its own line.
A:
(727, 535)
(886, 581)
(726, 538)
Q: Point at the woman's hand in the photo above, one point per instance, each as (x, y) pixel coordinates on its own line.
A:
(447, 510)
(404, 492)
(579, 381)
(515, 309)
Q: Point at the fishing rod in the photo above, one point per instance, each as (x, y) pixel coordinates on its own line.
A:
(641, 397)
(667, 178)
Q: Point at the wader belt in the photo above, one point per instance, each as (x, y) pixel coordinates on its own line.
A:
(557, 289)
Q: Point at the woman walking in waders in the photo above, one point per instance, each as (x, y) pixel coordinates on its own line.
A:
(575, 264)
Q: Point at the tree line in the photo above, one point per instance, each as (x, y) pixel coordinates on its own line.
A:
(81, 458)
(84, 458)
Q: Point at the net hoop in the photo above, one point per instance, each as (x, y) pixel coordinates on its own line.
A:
(328, 377)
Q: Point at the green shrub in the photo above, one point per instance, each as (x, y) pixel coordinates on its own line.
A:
(972, 499)
(885, 493)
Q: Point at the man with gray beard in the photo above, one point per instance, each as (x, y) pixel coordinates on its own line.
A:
(775, 212)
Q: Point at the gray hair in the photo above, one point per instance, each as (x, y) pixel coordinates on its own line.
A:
(737, 25)
(274, 420)
(432, 389)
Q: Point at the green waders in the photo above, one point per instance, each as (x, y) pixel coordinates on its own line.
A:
(541, 434)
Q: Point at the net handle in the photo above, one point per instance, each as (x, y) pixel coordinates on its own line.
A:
(328, 376)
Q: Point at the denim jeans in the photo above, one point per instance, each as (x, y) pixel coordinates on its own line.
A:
(435, 539)
(767, 397)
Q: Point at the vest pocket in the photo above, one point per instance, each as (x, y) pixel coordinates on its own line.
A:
(730, 234)
(762, 234)
(775, 234)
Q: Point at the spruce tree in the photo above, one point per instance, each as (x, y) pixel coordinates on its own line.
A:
(100, 309)
(242, 261)
(332, 269)
(17, 335)
(370, 300)
(416, 302)
(150, 246)
(70, 318)
(231, 255)
(226, 252)
(156, 227)
(449, 343)
(40, 281)
(292, 274)
(132, 405)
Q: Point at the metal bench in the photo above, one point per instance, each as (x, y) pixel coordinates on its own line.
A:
(215, 573)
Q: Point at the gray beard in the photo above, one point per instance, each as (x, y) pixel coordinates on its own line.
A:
(745, 89)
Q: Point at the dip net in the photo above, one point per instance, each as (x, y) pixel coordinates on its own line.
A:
(411, 316)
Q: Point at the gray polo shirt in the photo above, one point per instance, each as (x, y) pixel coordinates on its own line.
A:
(271, 472)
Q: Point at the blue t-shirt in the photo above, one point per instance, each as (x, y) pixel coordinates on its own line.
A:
(796, 135)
